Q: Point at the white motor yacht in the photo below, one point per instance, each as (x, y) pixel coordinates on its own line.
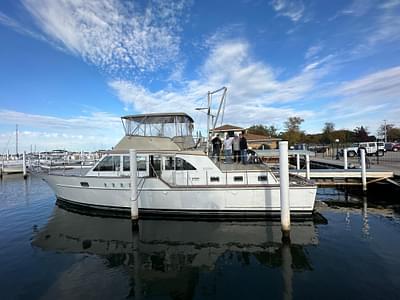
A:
(176, 177)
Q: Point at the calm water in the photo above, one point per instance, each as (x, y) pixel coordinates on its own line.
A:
(49, 253)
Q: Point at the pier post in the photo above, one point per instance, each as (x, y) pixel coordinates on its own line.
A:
(284, 189)
(345, 158)
(308, 166)
(24, 164)
(298, 161)
(363, 170)
(134, 191)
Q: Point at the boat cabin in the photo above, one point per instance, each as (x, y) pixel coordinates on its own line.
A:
(165, 150)
(157, 131)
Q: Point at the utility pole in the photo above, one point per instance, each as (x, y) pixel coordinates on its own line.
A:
(385, 132)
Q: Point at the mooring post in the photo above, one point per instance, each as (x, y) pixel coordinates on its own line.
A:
(134, 191)
(308, 166)
(2, 167)
(363, 170)
(24, 164)
(284, 189)
(298, 161)
(345, 158)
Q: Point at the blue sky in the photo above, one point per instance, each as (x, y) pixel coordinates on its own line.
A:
(70, 69)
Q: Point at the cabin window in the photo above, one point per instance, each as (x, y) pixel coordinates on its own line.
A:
(109, 163)
(214, 179)
(169, 163)
(141, 163)
(238, 178)
(183, 165)
(262, 178)
(155, 165)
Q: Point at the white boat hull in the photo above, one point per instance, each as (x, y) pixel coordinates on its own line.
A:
(155, 196)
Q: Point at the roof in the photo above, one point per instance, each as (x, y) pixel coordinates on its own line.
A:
(151, 118)
(259, 137)
(228, 127)
(143, 143)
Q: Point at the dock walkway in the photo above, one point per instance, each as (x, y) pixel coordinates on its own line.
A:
(334, 173)
(383, 166)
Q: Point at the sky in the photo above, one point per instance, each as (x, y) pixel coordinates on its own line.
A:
(69, 69)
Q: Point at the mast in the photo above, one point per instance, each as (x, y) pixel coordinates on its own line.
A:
(16, 139)
(208, 120)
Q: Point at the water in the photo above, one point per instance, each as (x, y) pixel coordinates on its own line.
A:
(47, 252)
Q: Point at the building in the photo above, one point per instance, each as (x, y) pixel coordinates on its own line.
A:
(254, 141)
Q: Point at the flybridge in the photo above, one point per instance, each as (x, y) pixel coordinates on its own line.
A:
(158, 124)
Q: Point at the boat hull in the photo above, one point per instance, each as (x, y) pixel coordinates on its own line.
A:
(112, 195)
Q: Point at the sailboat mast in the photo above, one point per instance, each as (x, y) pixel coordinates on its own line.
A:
(16, 139)
(208, 120)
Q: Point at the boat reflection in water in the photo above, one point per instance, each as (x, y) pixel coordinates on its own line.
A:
(174, 256)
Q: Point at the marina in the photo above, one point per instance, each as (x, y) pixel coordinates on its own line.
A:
(50, 252)
(199, 149)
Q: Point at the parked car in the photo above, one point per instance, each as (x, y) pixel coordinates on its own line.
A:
(396, 147)
(371, 148)
(351, 151)
(392, 146)
(389, 146)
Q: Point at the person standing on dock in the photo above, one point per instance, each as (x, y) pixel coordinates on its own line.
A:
(243, 148)
(236, 149)
(228, 149)
(216, 143)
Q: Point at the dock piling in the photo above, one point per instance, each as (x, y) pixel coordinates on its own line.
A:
(345, 158)
(134, 191)
(284, 189)
(2, 167)
(24, 164)
(363, 170)
(308, 166)
(298, 161)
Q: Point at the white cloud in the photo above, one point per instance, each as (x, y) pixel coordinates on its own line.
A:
(382, 86)
(255, 95)
(366, 101)
(122, 38)
(293, 9)
(9, 22)
(95, 120)
(89, 132)
(387, 25)
(358, 8)
(313, 51)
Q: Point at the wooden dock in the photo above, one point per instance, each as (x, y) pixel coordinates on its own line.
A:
(330, 171)
(335, 174)
(343, 177)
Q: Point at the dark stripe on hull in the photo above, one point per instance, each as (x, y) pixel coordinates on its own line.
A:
(124, 212)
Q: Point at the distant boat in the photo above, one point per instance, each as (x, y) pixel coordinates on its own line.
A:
(11, 166)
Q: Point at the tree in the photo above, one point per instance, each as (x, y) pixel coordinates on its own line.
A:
(361, 134)
(392, 132)
(270, 131)
(293, 133)
(327, 133)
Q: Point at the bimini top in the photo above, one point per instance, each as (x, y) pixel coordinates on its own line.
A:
(158, 124)
(160, 118)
